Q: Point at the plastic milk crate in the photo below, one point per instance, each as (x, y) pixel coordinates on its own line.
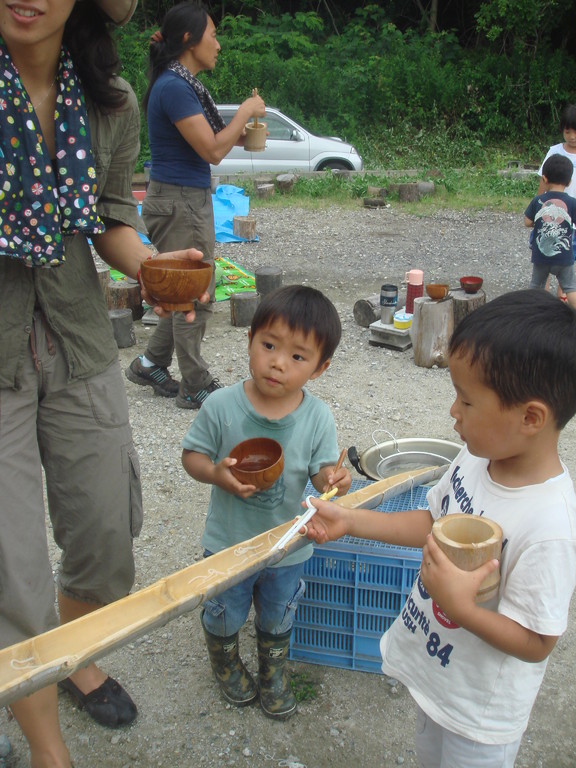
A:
(355, 588)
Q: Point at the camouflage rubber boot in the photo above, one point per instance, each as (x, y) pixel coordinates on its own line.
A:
(236, 683)
(276, 697)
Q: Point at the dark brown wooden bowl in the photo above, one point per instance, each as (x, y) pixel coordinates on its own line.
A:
(471, 284)
(260, 462)
(175, 283)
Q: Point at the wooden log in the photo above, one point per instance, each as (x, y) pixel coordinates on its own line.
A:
(376, 191)
(103, 271)
(244, 226)
(267, 279)
(408, 192)
(259, 180)
(426, 188)
(432, 326)
(265, 190)
(367, 311)
(123, 327)
(375, 202)
(242, 308)
(125, 294)
(285, 182)
(464, 303)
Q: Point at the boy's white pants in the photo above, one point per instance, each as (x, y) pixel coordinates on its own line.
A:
(438, 747)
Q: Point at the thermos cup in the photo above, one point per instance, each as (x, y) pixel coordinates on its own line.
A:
(388, 303)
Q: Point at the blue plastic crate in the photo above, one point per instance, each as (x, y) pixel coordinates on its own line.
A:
(355, 588)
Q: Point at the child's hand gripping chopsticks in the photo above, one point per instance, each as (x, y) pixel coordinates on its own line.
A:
(331, 490)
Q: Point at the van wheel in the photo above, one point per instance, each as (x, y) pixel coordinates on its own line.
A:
(333, 165)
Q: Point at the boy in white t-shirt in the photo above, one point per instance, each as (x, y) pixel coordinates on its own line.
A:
(566, 148)
(474, 669)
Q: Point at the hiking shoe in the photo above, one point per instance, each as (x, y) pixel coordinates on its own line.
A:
(158, 377)
(188, 399)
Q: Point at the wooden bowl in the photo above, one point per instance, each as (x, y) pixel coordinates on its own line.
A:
(175, 283)
(260, 462)
(437, 291)
(470, 541)
(471, 284)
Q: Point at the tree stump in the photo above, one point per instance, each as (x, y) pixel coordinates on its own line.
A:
(122, 326)
(285, 182)
(244, 226)
(264, 190)
(426, 188)
(376, 191)
(242, 308)
(125, 294)
(464, 303)
(267, 279)
(367, 311)
(103, 271)
(408, 192)
(432, 327)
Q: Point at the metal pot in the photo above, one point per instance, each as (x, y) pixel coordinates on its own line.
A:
(393, 456)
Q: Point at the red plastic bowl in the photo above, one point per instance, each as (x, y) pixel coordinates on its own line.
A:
(471, 284)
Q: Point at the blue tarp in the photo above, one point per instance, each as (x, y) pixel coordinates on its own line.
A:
(228, 201)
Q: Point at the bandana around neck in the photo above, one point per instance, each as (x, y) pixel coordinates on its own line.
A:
(212, 115)
(42, 201)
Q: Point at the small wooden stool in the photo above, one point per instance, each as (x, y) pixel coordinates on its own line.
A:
(242, 307)
(123, 327)
(125, 294)
(464, 303)
(267, 279)
(432, 327)
(244, 226)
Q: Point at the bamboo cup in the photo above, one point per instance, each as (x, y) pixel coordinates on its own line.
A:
(255, 140)
(470, 541)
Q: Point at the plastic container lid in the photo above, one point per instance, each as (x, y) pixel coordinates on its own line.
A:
(402, 320)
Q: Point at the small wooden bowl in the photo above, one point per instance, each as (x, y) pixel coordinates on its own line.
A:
(175, 283)
(470, 541)
(471, 284)
(260, 462)
(437, 291)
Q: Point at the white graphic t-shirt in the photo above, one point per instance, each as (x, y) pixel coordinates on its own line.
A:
(461, 682)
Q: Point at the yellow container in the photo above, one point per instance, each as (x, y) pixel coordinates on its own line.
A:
(402, 320)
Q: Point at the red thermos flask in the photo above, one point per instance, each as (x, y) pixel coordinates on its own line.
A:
(414, 288)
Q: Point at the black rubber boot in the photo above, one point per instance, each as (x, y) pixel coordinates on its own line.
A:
(276, 697)
(236, 683)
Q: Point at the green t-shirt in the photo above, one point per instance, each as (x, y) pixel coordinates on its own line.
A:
(308, 439)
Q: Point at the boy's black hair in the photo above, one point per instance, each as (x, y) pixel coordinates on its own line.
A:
(303, 309)
(568, 118)
(525, 344)
(558, 169)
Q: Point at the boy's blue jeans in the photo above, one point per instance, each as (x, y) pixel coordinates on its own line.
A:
(276, 593)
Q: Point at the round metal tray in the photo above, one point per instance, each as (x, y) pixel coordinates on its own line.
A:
(394, 456)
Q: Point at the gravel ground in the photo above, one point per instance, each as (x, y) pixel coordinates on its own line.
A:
(355, 717)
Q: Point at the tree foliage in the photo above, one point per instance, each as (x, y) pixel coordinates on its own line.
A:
(384, 70)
